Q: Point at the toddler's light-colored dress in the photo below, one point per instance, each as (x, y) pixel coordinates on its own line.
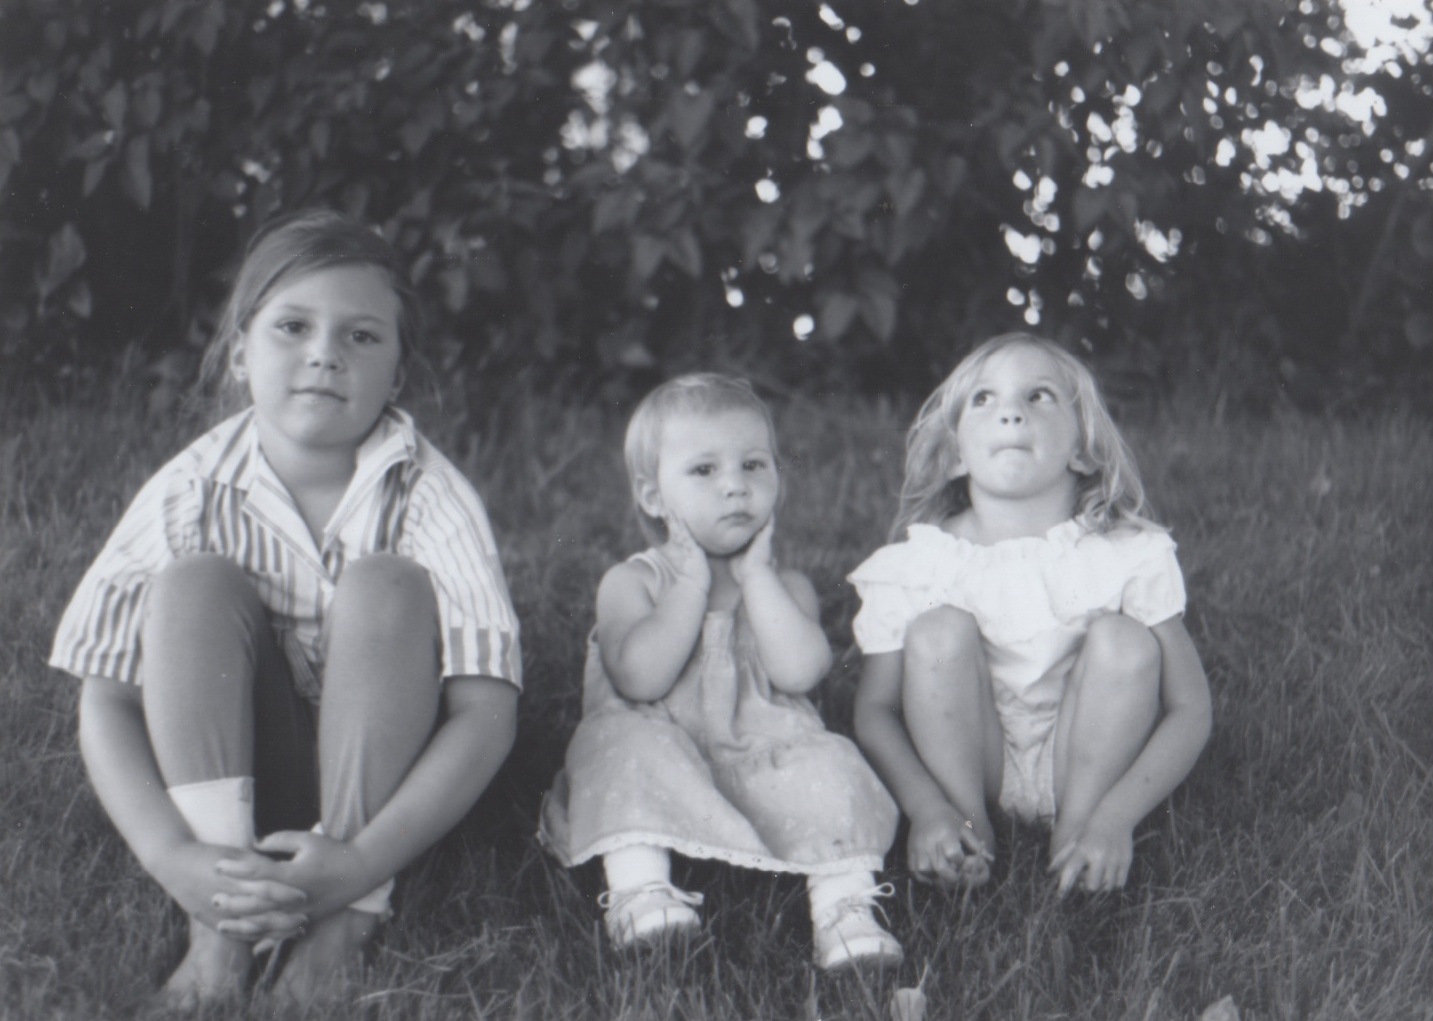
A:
(1033, 599)
(722, 767)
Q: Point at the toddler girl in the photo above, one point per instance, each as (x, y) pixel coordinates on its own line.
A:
(300, 619)
(697, 735)
(1024, 644)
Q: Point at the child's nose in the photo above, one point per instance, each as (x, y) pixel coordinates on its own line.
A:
(1012, 416)
(325, 352)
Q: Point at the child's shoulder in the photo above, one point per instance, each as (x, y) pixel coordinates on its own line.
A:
(924, 548)
(637, 580)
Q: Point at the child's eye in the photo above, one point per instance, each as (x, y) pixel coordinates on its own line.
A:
(292, 326)
(1041, 393)
(702, 469)
(980, 398)
(755, 464)
(364, 337)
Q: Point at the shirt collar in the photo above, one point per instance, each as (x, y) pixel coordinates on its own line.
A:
(233, 457)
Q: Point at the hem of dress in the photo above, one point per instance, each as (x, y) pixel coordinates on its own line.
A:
(744, 859)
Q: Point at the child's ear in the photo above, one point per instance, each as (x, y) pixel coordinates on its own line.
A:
(237, 368)
(1081, 464)
(399, 378)
(649, 499)
(952, 467)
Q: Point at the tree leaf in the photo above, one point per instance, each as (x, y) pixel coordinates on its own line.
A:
(137, 180)
(94, 173)
(454, 280)
(879, 313)
(685, 252)
(688, 116)
(747, 16)
(115, 104)
(647, 252)
(66, 254)
(79, 300)
(906, 189)
(42, 86)
(9, 154)
(205, 33)
(615, 207)
(835, 311)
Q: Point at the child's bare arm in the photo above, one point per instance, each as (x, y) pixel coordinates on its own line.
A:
(644, 643)
(1166, 759)
(785, 617)
(472, 740)
(938, 834)
(122, 769)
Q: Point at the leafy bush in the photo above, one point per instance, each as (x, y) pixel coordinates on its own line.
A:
(593, 189)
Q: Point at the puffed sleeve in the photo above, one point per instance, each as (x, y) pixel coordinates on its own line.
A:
(448, 534)
(894, 586)
(1154, 591)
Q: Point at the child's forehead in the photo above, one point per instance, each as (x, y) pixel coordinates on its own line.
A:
(1024, 361)
(694, 427)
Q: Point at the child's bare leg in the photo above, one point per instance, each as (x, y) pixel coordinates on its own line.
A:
(1106, 717)
(949, 710)
(206, 637)
(380, 705)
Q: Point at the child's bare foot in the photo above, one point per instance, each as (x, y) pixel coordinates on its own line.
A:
(216, 967)
(328, 959)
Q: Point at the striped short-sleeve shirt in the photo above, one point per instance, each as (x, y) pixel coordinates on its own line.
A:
(221, 496)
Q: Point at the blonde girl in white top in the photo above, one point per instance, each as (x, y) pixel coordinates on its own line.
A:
(300, 620)
(1024, 640)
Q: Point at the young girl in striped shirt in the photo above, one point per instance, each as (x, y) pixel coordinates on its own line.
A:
(299, 629)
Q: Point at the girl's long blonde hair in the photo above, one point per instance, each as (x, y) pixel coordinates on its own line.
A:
(1109, 493)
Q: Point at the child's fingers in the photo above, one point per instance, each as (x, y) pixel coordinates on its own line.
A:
(1061, 856)
(283, 842)
(259, 894)
(271, 925)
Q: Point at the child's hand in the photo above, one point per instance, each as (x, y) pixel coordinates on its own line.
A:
(688, 559)
(193, 874)
(942, 849)
(330, 872)
(1100, 850)
(757, 554)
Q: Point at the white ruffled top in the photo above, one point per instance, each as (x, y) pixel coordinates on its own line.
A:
(1033, 597)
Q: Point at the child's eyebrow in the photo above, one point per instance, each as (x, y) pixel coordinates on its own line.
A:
(295, 308)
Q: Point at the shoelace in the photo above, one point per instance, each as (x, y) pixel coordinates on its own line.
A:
(617, 900)
(865, 900)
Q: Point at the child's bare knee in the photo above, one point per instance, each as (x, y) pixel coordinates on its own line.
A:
(941, 636)
(198, 576)
(1120, 645)
(385, 589)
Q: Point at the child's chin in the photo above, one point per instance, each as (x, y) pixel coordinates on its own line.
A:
(728, 548)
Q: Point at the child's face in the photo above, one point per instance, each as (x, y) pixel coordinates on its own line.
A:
(1019, 433)
(717, 474)
(321, 356)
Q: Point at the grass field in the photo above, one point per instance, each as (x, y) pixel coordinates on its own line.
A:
(1293, 871)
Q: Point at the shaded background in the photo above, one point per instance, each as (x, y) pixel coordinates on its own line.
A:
(829, 195)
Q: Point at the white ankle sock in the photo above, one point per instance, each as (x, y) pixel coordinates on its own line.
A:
(825, 891)
(218, 811)
(636, 866)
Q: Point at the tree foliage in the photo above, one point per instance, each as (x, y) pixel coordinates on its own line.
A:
(595, 188)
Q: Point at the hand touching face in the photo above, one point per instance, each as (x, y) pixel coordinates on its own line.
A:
(716, 475)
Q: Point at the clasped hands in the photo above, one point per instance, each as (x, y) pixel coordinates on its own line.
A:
(248, 895)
